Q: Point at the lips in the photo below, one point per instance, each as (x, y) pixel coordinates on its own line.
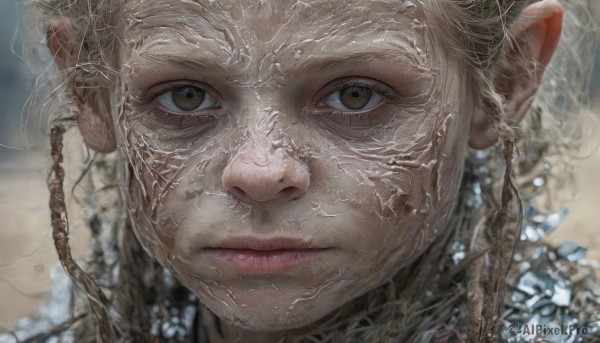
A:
(249, 255)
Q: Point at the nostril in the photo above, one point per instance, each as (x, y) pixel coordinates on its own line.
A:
(249, 182)
(238, 192)
(290, 192)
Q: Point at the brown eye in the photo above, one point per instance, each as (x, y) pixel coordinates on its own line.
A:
(353, 98)
(186, 99)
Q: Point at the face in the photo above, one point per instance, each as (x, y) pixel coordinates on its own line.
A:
(283, 158)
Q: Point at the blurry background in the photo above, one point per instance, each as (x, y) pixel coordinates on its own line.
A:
(26, 250)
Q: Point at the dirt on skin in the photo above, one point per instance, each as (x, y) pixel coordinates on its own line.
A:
(27, 253)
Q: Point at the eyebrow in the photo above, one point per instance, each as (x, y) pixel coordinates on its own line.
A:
(341, 60)
(411, 67)
(200, 64)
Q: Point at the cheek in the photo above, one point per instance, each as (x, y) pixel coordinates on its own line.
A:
(405, 189)
(402, 173)
(161, 182)
(148, 180)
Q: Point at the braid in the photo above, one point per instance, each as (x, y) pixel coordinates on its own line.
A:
(60, 233)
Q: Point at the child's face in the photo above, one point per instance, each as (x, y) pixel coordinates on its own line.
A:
(285, 157)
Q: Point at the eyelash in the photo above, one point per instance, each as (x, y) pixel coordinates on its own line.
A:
(387, 94)
(178, 120)
(157, 92)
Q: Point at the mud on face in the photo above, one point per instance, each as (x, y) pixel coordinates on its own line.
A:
(284, 164)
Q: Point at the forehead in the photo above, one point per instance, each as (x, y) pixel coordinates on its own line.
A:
(253, 31)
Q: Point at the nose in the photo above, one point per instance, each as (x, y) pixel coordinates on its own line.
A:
(261, 173)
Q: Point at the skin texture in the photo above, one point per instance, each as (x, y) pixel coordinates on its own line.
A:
(272, 159)
(270, 156)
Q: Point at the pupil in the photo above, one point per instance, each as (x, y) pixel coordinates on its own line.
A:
(355, 98)
(187, 98)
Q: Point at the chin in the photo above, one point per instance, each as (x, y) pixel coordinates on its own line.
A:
(272, 319)
(274, 315)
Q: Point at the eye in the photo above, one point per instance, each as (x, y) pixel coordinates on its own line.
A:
(353, 98)
(186, 99)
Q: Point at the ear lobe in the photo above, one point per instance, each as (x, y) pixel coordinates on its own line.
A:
(536, 33)
(95, 122)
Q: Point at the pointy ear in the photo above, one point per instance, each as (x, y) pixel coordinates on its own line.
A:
(95, 123)
(536, 34)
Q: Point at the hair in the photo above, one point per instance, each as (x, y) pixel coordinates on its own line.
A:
(123, 285)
